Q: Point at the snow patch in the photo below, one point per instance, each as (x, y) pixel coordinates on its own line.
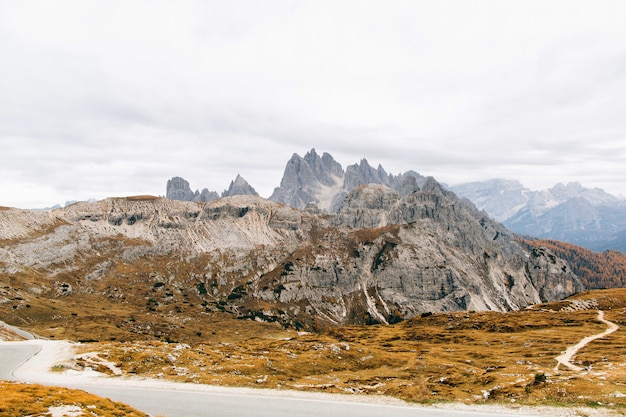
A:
(326, 193)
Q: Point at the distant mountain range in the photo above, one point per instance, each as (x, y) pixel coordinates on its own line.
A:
(587, 217)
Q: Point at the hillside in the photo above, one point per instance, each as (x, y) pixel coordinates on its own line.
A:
(472, 357)
(595, 270)
(147, 267)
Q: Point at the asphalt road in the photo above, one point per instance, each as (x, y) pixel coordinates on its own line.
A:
(203, 404)
(12, 356)
(196, 403)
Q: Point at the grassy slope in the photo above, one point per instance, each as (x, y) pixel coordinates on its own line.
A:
(28, 399)
(466, 356)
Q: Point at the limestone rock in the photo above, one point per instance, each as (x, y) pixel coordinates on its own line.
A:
(178, 189)
(239, 186)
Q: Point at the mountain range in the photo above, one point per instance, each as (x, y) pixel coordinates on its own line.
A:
(312, 180)
(591, 218)
(383, 256)
(587, 217)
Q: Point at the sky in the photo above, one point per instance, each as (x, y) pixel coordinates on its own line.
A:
(113, 98)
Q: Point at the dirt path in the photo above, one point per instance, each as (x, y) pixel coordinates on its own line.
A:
(566, 357)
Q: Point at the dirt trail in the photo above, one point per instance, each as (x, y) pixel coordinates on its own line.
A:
(566, 357)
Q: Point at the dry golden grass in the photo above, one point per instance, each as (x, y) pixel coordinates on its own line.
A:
(18, 399)
(6, 334)
(471, 357)
(474, 357)
(142, 198)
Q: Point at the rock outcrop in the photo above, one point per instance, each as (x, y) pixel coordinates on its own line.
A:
(239, 186)
(323, 182)
(178, 189)
(312, 179)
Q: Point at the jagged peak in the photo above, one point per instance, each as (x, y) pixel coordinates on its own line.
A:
(239, 180)
(311, 155)
(432, 186)
(239, 186)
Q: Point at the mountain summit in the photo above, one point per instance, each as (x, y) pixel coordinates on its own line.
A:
(323, 182)
(312, 179)
(239, 186)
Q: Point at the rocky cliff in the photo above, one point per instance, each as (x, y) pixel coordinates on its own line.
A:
(384, 256)
(323, 182)
(178, 189)
(239, 186)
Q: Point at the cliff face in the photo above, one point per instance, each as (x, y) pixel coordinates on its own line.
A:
(384, 256)
(323, 182)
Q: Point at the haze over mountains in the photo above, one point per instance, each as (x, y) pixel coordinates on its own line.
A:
(587, 217)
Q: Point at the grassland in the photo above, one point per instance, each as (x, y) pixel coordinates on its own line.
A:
(473, 357)
(18, 399)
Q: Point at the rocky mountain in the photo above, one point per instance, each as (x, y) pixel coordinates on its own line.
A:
(384, 256)
(588, 217)
(239, 186)
(178, 189)
(312, 179)
(323, 182)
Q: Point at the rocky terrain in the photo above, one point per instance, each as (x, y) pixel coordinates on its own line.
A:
(587, 217)
(178, 189)
(384, 256)
(312, 180)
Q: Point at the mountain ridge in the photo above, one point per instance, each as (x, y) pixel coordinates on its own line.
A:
(591, 218)
(383, 257)
(313, 180)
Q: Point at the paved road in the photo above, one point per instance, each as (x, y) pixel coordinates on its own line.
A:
(192, 402)
(203, 404)
(12, 356)
(17, 331)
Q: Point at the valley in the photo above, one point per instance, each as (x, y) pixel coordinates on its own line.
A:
(474, 358)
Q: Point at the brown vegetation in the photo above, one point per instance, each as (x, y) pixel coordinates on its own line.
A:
(472, 357)
(142, 198)
(18, 399)
(596, 270)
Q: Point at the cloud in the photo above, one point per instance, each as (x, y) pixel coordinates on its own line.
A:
(113, 98)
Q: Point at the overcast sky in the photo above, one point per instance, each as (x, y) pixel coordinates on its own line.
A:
(113, 98)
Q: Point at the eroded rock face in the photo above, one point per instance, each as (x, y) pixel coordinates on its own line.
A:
(385, 255)
(178, 189)
(239, 186)
(307, 180)
(323, 182)
(551, 275)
